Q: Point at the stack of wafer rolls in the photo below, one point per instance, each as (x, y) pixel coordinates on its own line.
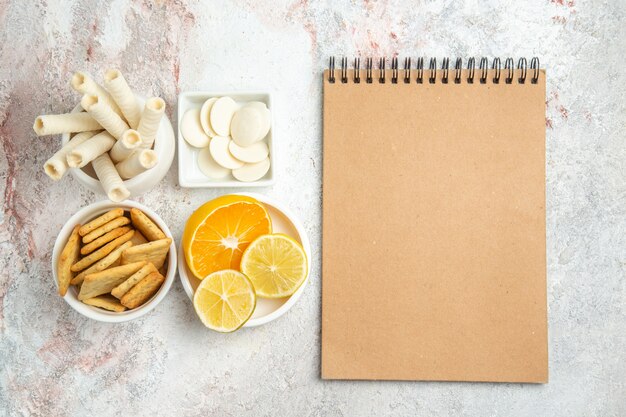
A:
(114, 124)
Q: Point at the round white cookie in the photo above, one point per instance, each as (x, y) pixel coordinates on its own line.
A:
(266, 117)
(251, 154)
(221, 115)
(220, 153)
(257, 104)
(209, 167)
(191, 129)
(205, 117)
(252, 172)
(246, 125)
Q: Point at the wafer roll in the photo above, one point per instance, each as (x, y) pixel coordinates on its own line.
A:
(116, 84)
(89, 150)
(137, 163)
(150, 120)
(123, 148)
(104, 114)
(109, 178)
(84, 84)
(56, 166)
(54, 124)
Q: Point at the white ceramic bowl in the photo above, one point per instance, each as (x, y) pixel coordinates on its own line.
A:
(283, 221)
(189, 174)
(83, 216)
(164, 146)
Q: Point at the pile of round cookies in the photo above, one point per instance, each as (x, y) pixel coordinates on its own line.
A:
(231, 137)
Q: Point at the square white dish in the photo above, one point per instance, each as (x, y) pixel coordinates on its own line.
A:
(189, 174)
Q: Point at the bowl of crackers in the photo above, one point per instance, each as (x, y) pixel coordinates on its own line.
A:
(114, 262)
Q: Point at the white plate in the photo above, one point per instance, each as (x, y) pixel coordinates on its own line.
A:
(283, 221)
(189, 174)
(164, 146)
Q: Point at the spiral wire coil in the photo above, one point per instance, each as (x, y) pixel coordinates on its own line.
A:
(431, 76)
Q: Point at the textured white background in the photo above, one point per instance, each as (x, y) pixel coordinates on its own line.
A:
(54, 362)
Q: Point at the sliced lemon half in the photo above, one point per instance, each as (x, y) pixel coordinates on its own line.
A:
(225, 300)
(276, 264)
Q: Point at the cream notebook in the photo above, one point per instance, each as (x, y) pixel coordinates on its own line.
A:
(434, 242)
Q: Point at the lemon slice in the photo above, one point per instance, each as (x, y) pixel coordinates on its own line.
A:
(276, 264)
(225, 300)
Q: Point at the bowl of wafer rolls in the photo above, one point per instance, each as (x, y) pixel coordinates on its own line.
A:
(113, 141)
(114, 262)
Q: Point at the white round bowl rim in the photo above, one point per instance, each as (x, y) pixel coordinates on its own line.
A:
(88, 213)
(306, 245)
(143, 178)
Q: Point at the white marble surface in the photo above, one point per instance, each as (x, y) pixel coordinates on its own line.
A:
(54, 362)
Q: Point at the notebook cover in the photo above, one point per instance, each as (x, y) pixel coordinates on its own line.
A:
(434, 243)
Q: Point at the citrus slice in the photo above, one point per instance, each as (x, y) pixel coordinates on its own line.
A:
(276, 265)
(225, 300)
(218, 232)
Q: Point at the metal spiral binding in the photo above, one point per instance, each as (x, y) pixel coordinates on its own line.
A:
(508, 65)
(432, 67)
(471, 63)
(509, 69)
(484, 68)
(496, 67)
(331, 70)
(521, 65)
(420, 70)
(394, 70)
(368, 70)
(534, 65)
(407, 70)
(444, 66)
(458, 67)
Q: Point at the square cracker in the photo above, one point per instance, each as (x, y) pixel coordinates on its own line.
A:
(105, 228)
(143, 291)
(94, 257)
(154, 252)
(104, 239)
(112, 259)
(145, 225)
(100, 221)
(107, 302)
(69, 255)
(138, 238)
(124, 287)
(104, 281)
